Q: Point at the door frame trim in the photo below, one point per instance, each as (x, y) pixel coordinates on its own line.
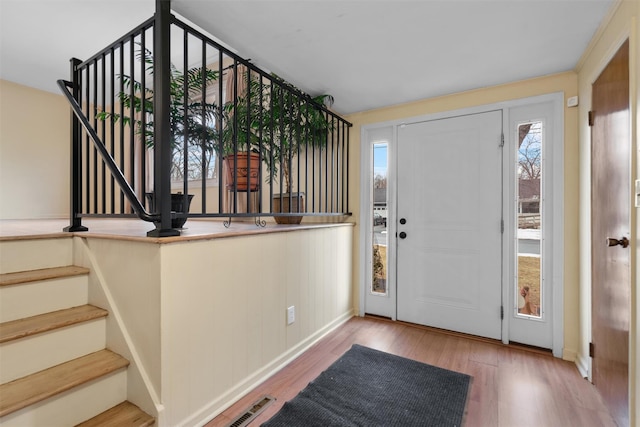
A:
(557, 264)
(553, 214)
(583, 361)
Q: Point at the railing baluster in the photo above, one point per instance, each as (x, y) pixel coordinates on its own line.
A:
(332, 164)
(121, 154)
(185, 125)
(313, 171)
(96, 163)
(260, 143)
(271, 147)
(326, 174)
(347, 166)
(103, 95)
(298, 136)
(112, 125)
(340, 153)
(143, 118)
(94, 92)
(305, 139)
(132, 111)
(88, 143)
(292, 139)
(247, 74)
(219, 157)
(282, 133)
(337, 165)
(204, 174)
(235, 134)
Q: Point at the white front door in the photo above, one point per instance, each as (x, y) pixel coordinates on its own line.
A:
(449, 219)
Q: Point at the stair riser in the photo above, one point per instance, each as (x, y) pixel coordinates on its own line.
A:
(30, 299)
(28, 355)
(23, 255)
(73, 406)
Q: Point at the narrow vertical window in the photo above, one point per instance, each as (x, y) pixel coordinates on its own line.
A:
(379, 238)
(529, 286)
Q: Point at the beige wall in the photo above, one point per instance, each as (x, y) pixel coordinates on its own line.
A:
(620, 25)
(34, 153)
(565, 82)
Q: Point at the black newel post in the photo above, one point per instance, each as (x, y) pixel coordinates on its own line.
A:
(162, 129)
(75, 222)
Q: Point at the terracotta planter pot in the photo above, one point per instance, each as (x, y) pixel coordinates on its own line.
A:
(248, 171)
(281, 204)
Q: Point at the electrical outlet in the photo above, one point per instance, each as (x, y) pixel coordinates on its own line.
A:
(291, 314)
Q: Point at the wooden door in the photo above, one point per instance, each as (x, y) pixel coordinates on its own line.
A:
(610, 212)
(449, 237)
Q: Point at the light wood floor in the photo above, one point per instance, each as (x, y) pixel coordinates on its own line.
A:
(510, 386)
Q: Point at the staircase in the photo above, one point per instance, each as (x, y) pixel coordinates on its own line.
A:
(54, 367)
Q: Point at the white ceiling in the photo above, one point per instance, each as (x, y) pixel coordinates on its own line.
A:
(367, 54)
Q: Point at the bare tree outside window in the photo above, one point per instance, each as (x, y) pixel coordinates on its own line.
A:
(201, 162)
(530, 151)
(379, 181)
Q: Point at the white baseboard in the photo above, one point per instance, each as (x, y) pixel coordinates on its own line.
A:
(583, 366)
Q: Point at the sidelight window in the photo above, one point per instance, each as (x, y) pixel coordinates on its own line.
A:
(529, 221)
(379, 238)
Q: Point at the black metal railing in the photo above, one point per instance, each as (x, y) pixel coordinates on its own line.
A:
(165, 109)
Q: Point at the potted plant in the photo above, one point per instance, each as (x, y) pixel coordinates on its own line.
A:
(299, 125)
(243, 143)
(190, 117)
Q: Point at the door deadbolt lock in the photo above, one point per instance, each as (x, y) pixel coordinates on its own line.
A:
(402, 235)
(403, 221)
(624, 242)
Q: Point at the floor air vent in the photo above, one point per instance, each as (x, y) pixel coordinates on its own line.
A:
(252, 412)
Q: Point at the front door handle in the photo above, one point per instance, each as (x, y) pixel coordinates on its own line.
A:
(402, 235)
(624, 242)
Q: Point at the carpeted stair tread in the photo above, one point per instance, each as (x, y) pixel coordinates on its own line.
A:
(29, 326)
(125, 414)
(41, 385)
(42, 274)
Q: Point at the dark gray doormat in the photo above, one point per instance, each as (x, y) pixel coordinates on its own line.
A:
(367, 387)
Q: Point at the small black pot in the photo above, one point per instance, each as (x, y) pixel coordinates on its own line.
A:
(177, 200)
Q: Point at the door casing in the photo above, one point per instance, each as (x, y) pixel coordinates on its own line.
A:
(537, 330)
(610, 217)
(556, 251)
